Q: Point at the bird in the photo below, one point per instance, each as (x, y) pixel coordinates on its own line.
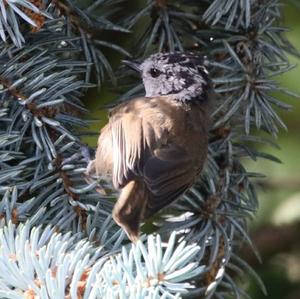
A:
(155, 146)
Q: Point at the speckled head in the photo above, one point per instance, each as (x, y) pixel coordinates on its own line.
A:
(181, 76)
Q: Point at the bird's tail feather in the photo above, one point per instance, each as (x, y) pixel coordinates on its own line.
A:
(129, 209)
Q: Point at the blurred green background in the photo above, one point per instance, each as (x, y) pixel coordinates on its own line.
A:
(276, 228)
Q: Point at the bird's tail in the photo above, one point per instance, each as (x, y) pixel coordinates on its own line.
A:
(129, 209)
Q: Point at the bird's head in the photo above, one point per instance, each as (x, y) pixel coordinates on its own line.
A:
(181, 76)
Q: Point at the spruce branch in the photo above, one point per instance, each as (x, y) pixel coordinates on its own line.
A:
(158, 270)
(250, 58)
(47, 207)
(87, 27)
(42, 103)
(13, 12)
(41, 262)
(169, 27)
(225, 12)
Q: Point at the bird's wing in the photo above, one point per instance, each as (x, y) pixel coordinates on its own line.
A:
(166, 169)
(167, 174)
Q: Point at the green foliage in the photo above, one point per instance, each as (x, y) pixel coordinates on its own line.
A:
(66, 244)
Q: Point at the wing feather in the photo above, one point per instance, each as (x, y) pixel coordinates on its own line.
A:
(127, 147)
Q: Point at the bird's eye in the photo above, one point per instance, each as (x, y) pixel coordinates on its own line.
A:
(154, 73)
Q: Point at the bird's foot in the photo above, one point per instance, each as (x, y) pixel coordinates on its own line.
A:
(90, 180)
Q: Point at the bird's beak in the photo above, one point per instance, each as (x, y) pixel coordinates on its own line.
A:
(133, 65)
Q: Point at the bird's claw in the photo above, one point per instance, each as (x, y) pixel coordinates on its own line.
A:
(91, 180)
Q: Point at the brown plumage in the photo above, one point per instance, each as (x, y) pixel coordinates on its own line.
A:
(153, 148)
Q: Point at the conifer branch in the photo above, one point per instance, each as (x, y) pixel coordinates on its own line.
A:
(57, 236)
